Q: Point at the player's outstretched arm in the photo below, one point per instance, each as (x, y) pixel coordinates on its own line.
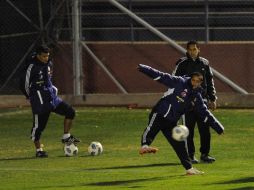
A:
(159, 76)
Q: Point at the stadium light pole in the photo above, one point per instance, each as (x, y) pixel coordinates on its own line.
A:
(174, 44)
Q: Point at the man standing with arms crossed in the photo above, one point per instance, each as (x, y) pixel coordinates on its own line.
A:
(185, 66)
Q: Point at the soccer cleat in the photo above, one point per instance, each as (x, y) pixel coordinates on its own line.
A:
(207, 159)
(70, 140)
(194, 160)
(147, 149)
(194, 171)
(41, 154)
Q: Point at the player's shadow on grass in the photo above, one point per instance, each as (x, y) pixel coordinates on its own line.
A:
(136, 166)
(17, 158)
(126, 182)
(63, 156)
(244, 188)
(241, 180)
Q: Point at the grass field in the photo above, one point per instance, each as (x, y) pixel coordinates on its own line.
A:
(120, 166)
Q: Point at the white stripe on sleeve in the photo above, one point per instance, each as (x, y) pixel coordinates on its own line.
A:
(169, 108)
(28, 73)
(157, 78)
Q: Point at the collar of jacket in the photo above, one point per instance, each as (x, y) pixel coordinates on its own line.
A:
(189, 57)
(37, 61)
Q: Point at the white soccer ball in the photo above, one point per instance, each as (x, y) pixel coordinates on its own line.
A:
(95, 148)
(70, 150)
(180, 132)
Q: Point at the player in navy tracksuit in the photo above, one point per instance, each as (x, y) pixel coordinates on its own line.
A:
(43, 98)
(184, 94)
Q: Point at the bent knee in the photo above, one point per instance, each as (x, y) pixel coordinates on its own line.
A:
(70, 114)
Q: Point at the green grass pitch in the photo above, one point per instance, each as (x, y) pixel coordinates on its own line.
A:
(120, 166)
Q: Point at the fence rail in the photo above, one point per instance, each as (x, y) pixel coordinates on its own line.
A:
(25, 25)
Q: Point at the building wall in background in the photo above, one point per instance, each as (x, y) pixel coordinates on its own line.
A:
(235, 61)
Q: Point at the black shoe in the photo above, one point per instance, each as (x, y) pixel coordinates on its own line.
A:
(41, 154)
(206, 158)
(71, 140)
(194, 160)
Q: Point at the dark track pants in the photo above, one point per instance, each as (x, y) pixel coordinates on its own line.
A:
(158, 123)
(191, 118)
(40, 120)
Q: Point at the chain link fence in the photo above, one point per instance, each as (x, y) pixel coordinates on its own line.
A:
(181, 20)
(224, 28)
(24, 26)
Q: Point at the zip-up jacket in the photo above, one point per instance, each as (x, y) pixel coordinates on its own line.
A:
(180, 98)
(39, 88)
(186, 66)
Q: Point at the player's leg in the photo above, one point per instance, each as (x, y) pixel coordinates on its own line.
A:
(149, 134)
(39, 124)
(190, 122)
(66, 110)
(179, 147)
(205, 142)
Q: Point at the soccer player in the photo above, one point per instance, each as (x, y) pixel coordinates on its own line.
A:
(184, 94)
(185, 66)
(38, 88)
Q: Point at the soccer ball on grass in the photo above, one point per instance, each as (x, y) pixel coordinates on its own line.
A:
(180, 133)
(95, 148)
(70, 149)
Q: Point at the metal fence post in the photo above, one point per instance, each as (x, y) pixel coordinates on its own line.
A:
(77, 65)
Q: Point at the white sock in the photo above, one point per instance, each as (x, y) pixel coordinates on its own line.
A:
(145, 146)
(39, 149)
(66, 135)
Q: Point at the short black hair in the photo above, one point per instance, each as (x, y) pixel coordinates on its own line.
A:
(192, 42)
(42, 49)
(198, 74)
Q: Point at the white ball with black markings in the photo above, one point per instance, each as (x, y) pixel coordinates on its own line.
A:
(70, 150)
(180, 133)
(95, 148)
